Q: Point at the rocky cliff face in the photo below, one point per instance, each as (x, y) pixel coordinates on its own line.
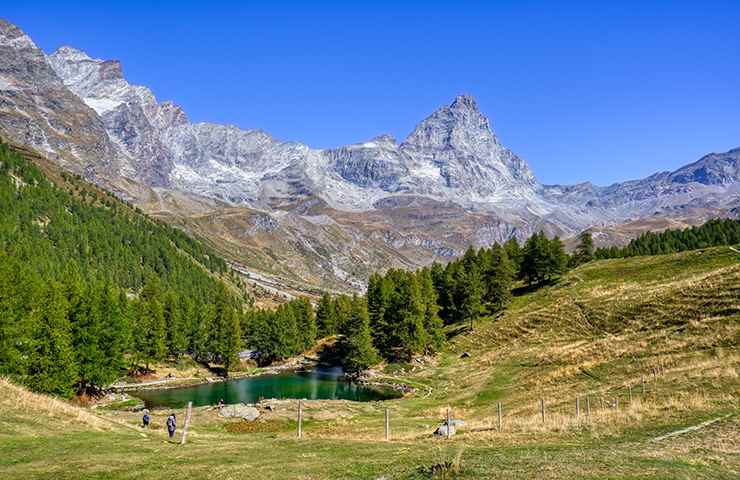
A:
(36, 109)
(323, 214)
(453, 154)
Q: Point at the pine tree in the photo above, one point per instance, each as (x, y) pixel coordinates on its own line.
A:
(356, 346)
(176, 336)
(470, 287)
(536, 259)
(498, 279)
(432, 321)
(585, 248)
(407, 314)
(227, 330)
(306, 320)
(343, 310)
(326, 317)
(150, 331)
(113, 335)
(52, 368)
(87, 330)
(557, 259)
(515, 254)
(19, 293)
(378, 302)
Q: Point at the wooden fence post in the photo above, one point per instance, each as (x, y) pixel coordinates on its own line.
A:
(300, 418)
(387, 425)
(498, 408)
(542, 409)
(449, 423)
(578, 407)
(187, 423)
(588, 407)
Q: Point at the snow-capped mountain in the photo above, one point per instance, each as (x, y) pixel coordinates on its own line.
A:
(449, 184)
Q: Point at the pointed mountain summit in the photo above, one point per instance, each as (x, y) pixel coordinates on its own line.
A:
(460, 125)
(458, 140)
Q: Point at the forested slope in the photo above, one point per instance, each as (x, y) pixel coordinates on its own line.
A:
(85, 278)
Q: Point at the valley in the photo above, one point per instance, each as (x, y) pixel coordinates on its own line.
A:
(191, 299)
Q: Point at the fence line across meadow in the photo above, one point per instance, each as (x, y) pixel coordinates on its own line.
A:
(547, 412)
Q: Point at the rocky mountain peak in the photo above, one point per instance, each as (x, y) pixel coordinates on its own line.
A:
(464, 102)
(459, 125)
(385, 139)
(71, 54)
(13, 37)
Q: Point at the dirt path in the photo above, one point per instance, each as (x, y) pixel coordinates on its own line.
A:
(690, 429)
(134, 386)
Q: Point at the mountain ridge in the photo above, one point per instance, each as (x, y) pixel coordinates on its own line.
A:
(375, 203)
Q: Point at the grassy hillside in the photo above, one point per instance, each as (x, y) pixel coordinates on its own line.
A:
(673, 320)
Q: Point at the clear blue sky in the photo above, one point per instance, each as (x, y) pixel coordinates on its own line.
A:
(582, 90)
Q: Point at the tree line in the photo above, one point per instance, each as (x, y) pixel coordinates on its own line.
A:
(404, 313)
(713, 233)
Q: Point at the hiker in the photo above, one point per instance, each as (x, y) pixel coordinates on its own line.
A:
(171, 425)
(221, 404)
(145, 419)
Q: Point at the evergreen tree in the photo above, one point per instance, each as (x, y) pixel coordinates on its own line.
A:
(326, 317)
(498, 279)
(432, 322)
(87, 331)
(150, 337)
(378, 301)
(356, 346)
(407, 315)
(585, 248)
(19, 293)
(557, 259)
(306, 320)
(343, 310)
(52, 367)
(227, 331)
(470, 287)
(113, 335)
(515, 253)
(534, 259)
(176, 334)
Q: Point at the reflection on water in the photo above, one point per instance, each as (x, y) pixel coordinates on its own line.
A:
(316, 384)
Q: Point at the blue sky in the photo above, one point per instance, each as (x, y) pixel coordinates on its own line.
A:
(581, 90)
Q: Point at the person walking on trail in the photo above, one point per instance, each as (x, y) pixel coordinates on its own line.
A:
(171, 425)
(145, 419)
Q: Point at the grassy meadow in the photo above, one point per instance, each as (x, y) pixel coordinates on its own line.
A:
(649, 344)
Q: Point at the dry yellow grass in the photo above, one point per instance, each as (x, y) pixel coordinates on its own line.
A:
(37, 409)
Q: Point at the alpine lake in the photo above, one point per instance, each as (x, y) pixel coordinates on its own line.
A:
(317, 384)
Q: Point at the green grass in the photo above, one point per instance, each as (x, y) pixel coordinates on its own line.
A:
(601, 328)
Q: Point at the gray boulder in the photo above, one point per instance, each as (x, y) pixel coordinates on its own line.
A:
(240, 410)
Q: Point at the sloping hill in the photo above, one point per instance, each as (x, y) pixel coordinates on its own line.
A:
(607, 325)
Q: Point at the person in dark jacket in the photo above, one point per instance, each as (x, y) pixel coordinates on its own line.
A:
(145, 419)
(171, 425)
